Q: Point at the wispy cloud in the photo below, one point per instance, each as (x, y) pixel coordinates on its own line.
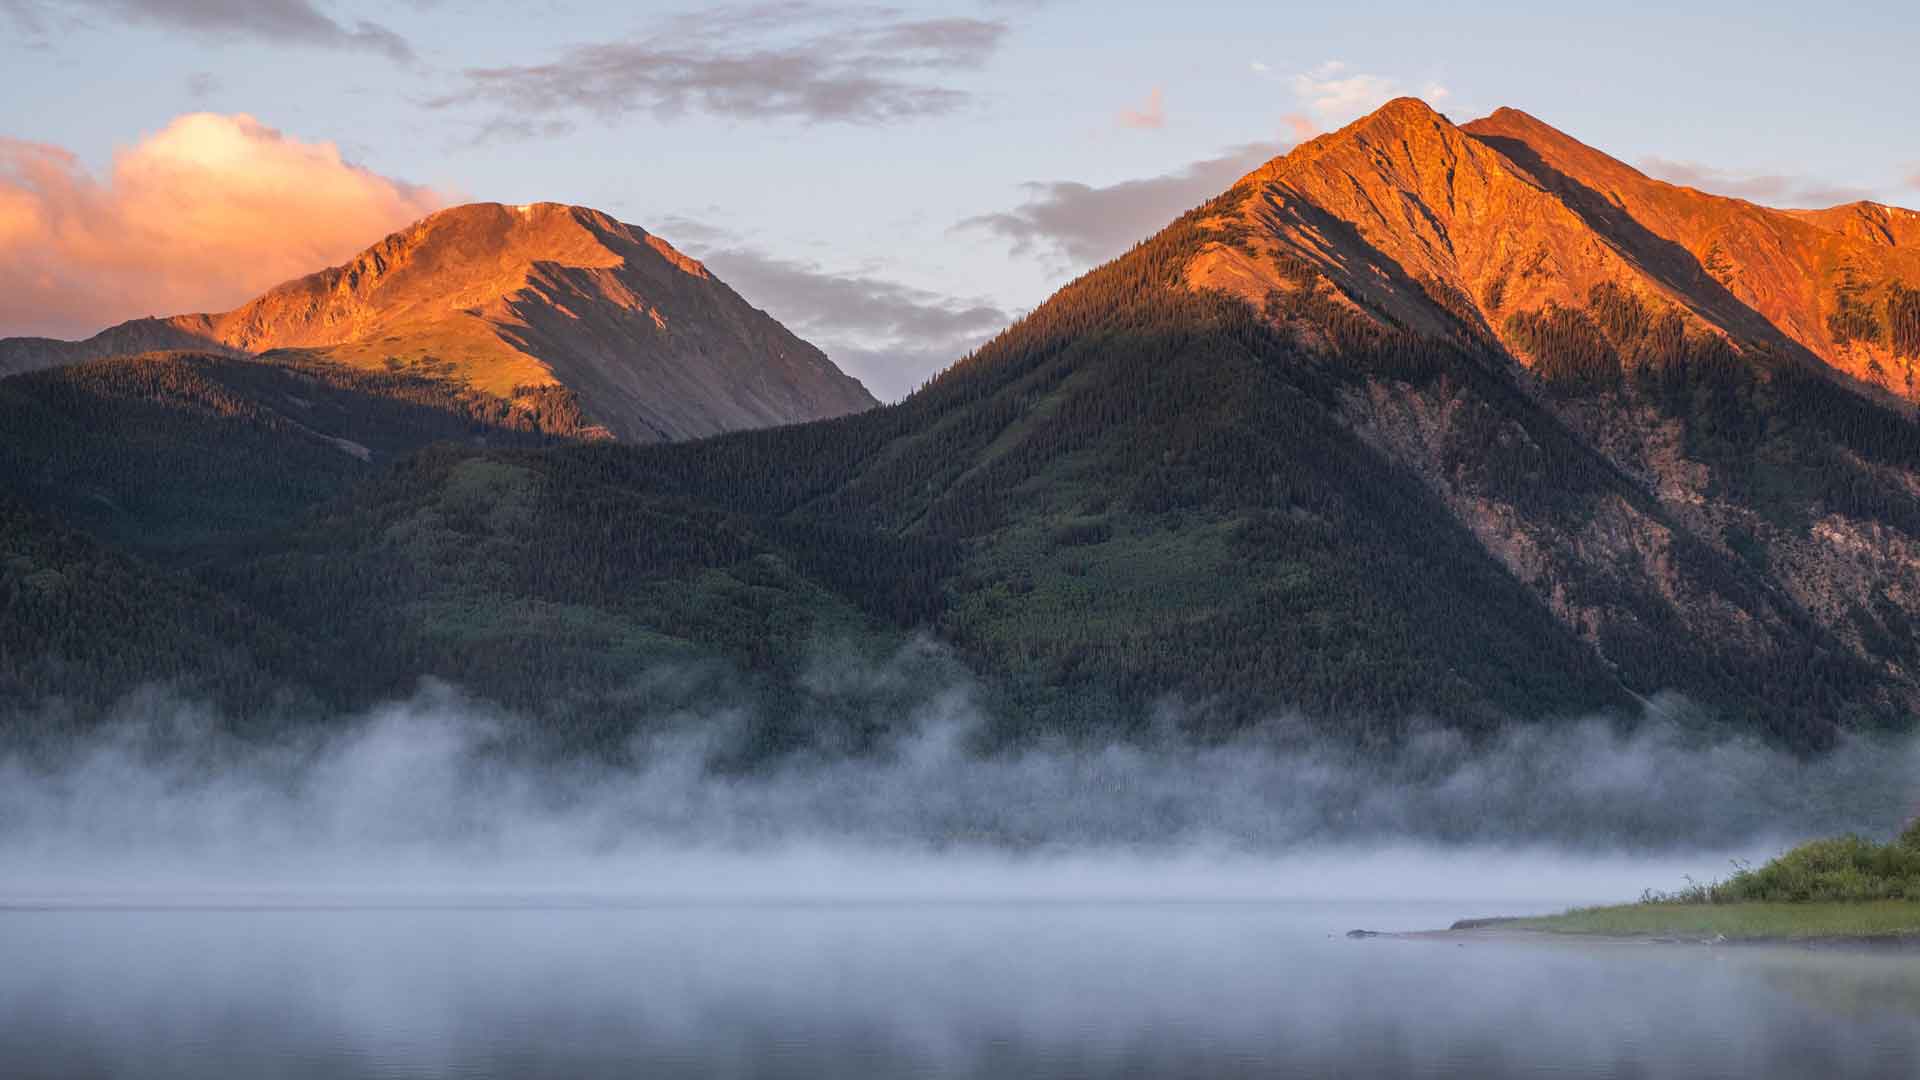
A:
(1082, 225)
(1773, 189)
(792, 59)
(1152, 115)
(27, 17)
(1333, 94)
(289, 22)
(197, 217)
(889, 335)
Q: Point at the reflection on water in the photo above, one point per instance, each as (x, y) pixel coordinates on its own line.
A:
(916, 989)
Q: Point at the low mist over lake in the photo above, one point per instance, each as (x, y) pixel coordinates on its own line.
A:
(1005, 988)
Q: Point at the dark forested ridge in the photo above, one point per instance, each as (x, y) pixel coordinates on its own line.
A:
(1473, 511)
(167, 451)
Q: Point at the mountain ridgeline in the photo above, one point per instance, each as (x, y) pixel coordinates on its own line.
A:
(514, 301)
(1419, 421)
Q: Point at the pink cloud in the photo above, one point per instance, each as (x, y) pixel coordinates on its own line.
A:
(199, 216)
(1301, 125)
(1150, 116)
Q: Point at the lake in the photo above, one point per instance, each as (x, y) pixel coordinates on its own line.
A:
(498, 986)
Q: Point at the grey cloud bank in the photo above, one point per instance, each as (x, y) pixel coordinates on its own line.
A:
(812, 62)
(889, 335)
(1767, 189)
(289, 22)
(1082, 225)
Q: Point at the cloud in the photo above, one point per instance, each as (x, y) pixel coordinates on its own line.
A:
(1301, 125)
(785, 60)
(1773, 189)
(1152, 115)
(890, 336)
(1083, 225)
(28, 19)
(197, 217)
(1332, 95)
(291, 22)
(1328, 92)
(202, 84)
(1914, 181)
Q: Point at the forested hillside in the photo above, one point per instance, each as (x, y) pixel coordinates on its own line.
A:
(163, 452)
(1228, 471)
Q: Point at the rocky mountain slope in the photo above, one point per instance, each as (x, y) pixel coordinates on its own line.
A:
(514, 298)
(1501, 220)
(1418, 422)
(1743, 376)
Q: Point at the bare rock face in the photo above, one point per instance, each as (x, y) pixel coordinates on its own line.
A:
(511, 297)
(1417, 222)
(1594, 290)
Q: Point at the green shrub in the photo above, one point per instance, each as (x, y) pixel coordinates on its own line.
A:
(1842, 868)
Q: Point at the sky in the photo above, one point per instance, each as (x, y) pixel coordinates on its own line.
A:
(895, 183)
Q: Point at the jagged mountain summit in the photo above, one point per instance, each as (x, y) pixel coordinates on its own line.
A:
(512, 300)
(1516, 229)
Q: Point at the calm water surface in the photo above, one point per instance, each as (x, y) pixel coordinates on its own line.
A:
(975, 989)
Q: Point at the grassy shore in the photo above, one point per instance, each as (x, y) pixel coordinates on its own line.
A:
(1745, 921)
(1846, 888)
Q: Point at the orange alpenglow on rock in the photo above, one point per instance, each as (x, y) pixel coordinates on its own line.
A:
(507, 297)
(1412, 220)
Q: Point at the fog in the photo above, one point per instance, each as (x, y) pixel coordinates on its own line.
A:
(1003, 991)
(429, 798)
(422, 889)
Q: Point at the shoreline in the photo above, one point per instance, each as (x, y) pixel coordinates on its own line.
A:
(1608, 926)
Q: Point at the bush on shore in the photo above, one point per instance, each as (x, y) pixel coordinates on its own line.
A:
(1842, 868)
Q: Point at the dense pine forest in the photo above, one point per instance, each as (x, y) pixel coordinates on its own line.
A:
(1139, 495)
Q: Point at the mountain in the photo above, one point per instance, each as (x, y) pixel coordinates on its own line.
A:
(1424, 222)
(1842, 283)
(509, 298)
(1417, 422)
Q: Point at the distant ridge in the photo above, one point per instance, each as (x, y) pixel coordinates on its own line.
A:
(509, 297)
